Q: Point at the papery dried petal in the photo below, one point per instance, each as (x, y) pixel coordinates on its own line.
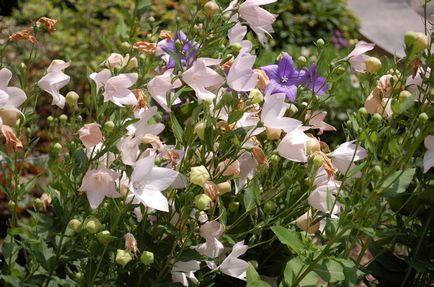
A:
(145, 47)
(49, 23)
(131, 243)
(142, 100)
(12, 142)
(259, 155)
(25, 35)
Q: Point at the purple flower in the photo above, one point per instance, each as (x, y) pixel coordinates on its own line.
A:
(339, 40)
(316, 83)
(284, 77)
(185, 50)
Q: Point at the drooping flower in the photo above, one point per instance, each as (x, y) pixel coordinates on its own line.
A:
(116, 89)
(428, 158)
(379, 100)
(182, 272)
(241, 76)
(414, 83)
(160, 85)
(49, 24)
(259, 19)
(316, 120)
(184, 48)
(357, 57)
(90, 135)
(273, 112)
(200, 76)
(232, 265)
(236, 33)
(147, 182)
(10, 97)
(284, 77)
(212, 247)
(99, 183)
(54, 80)
(294, 146)
(315, 82)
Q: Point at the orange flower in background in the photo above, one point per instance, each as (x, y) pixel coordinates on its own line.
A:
(49, 23)
(25, 34)
(145, 47)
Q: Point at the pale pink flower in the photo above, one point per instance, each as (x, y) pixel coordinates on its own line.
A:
(236, 33)
(99, 183)
(273, 112)
(316, 120)
(90, 135)
(259, 19)
(357, 57)
(183, 272)
(200, 76)
(212, 247)
(428, 158)
(415, 84)
(232, 265)
(294, 145)
(116, 60)
(147, 182)
(116, 89)
(248, 166)
(160, 85)
(241, 76)
(54, 80)
(346, 154)
(10, 97)
(318, 198)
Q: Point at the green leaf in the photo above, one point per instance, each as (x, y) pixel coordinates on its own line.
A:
(398, 182)
(291, 238)
(351, 273)
(253, 279)
(293, 268)
(176, 128)
(235, 116)
(250, 196)
(141, 6)
(330, 270)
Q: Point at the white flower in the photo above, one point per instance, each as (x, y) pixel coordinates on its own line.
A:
(316, 120)
(160, 85)
(415, 83)
(10, 97)
(357, 57)
(212, 247)
(99, 183)
(116, 60)
(346, 154)
(428, 158)
(54, 80)
(116, 89)
(182, 271)
(236, 33)
(294, 145)
(233, 266)
(90, 135)
(259, 19)
(147, 182)
(241, 77)
(200, 76)
(273, 112)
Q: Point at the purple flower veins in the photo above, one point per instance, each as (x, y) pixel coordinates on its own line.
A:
(185, 50)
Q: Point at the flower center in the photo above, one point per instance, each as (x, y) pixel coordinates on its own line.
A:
(284, 79)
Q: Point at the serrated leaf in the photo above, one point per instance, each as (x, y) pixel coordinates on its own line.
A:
(398, 182)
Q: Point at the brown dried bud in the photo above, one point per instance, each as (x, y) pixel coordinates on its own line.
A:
(212, 190)
(226, 66)
(131, 243)
(145, 47)
(142, 100)
(173, 157)
(263, 79)
(12, 142)
(259, 155)
(49, 23)
(25, 35)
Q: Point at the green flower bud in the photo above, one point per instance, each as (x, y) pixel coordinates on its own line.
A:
(317, 161)
(109, 126)
(72, 99)
(12, 205)
(125, 47)
(63, 118)
(147, 258)
(377, 118)
(104, 237)
(199, 130)
(269, 207)
(275, 159)
(301, 61)
(416, 40)
(403, 95)
(423, 118)
(377, 171)
(340, 70)
(23, 66)
(50, 119)
(210, 8)
(75, 225)
(236, 47)
(256, 96)
(199, 175)
(373, 65)
(37, 203)
(202, 201)
(233, 206)
(57, 147)
(79, 276)
(93, 225)
(362, 111)
(320, 42)
(123, 257)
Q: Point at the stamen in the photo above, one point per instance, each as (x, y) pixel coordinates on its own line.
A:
(284, 79)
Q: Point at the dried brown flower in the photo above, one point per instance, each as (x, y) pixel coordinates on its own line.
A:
(259, 155)
(145, 47)
(49, 23)
(166, 34)
(142, 100)
(263, 79)
(25, 35)
(12, 142)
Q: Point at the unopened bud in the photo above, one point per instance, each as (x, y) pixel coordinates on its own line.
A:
(63, 118)
(104, 237)
(416, 40)
(377, 118)
(93, 225)
(125, 47)
(109, 126)
(210, 8)
(320, 42)
(233, 206)
(123, 257)
(362, 111)
(72, 99)
(50, 119)
(224, 187)
(301, 61)
(202, 201)
(273, 133)
(256, 96)
(236, 47)
(147, 258)
(199, 175)
(403, 95)
(318, 161)
(312, 146)
(269, 207)
(132, 63)
(57, 147)
(423, 118)
(373, 65)
(199, 130)
(74, 224)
